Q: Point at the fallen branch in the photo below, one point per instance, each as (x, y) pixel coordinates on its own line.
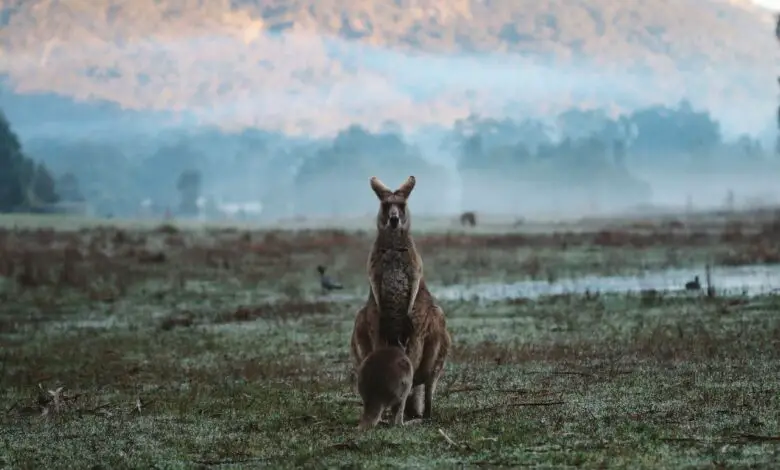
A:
(447, 438)
(561, 372)
(536, 403)
(228, 461)
(518, 391)
(349, 445)
(736, 439)
(758, 438)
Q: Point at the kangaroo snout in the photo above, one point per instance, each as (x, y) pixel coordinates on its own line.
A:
(394, 217)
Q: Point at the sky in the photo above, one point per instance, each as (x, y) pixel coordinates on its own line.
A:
(773, 4)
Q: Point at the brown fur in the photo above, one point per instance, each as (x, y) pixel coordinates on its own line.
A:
(399, 308)
(469, 218)
(384, 381)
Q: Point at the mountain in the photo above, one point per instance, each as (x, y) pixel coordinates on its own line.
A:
(315, 66)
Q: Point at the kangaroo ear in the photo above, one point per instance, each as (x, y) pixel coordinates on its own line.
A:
(406, 189)
(379, 188)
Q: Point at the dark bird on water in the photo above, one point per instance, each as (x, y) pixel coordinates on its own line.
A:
(693, 285)
(326, 282)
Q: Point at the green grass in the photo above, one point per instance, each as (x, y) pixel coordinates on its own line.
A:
(222, 352)
(619, 380)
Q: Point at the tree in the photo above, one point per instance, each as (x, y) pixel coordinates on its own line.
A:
(102, 173)
(487, 144)
(23, 184)
(69, 189)
(580, 124)
(159, 171)
(619, 153)
(189, 184)
(11, 189)
(334, 180)
(670, 132)
(42, 186)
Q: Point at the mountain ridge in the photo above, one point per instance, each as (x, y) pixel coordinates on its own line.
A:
(301, 66)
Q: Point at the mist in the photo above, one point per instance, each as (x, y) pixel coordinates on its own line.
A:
(520, 137)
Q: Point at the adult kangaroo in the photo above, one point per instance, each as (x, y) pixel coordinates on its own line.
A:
(400, 309)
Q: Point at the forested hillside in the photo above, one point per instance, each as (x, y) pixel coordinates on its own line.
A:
(318, 66)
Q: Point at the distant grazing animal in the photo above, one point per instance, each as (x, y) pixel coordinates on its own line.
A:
(469, 218)
(777, 31)
(693, 285)
(384, 381)
(326, 282)
(399, 308)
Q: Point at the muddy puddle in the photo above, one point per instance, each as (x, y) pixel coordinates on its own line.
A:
(750, 280)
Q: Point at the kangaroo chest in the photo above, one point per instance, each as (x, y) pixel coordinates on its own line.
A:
(394, 283)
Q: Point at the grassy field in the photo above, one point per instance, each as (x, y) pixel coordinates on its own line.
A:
(186, 347)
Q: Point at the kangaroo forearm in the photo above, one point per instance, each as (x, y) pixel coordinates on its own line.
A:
(413, 295)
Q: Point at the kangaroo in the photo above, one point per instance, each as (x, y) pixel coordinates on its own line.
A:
(399, 308)
(468, 218)
(384, 381)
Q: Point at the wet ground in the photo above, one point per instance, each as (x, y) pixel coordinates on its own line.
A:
(748, 280)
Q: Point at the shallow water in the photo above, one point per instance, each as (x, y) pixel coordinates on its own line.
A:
(751, 280)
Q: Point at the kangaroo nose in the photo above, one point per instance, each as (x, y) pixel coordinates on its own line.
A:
(394, 221)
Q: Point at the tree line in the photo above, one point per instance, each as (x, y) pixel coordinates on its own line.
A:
(25, 185)
(580, 148)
